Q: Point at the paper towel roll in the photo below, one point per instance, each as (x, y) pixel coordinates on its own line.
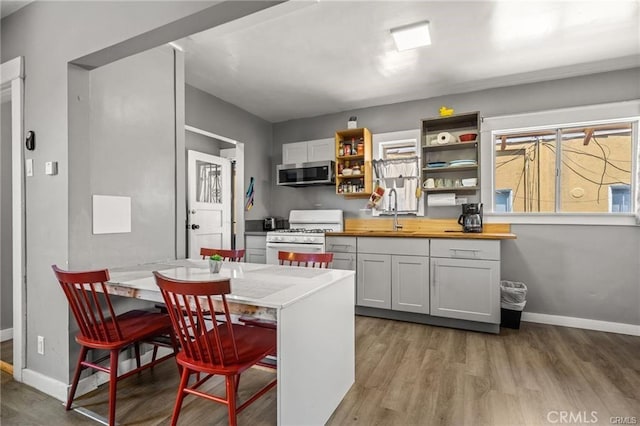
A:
(445, 137)
(446, 199)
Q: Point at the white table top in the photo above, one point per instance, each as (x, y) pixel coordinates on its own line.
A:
(270, 286)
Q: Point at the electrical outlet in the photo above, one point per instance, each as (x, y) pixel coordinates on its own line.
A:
(41, 345)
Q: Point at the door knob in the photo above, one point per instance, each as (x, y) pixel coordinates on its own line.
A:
(194, 226)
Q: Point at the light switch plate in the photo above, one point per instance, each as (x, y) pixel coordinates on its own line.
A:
(29, 166)
(51, 168)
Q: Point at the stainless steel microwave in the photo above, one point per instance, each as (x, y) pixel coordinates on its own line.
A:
(306, 174)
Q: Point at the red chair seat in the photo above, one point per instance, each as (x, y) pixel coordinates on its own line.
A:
(251, 344)
(134, 325)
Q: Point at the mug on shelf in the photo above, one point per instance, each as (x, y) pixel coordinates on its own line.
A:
(429, 183)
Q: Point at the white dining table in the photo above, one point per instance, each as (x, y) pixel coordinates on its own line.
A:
(314, 309)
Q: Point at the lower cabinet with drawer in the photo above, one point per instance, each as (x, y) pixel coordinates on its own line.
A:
(465, 280)
(256, 248)
(393, 274)
(344, 252)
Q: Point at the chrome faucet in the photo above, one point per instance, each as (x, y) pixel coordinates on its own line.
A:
(396, 225)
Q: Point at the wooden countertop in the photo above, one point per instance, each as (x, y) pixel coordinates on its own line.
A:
(421, 228)
(424, 234)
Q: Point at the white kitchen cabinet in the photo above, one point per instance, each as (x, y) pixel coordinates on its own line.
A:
(256, 248)
(465, 280)
(409, 284)
(344, 252)
(308, 151)
(373, 280)
(393, 273)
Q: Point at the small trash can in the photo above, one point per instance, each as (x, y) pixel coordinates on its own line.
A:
(513, 298)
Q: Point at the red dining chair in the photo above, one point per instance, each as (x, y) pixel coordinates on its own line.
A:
(226, 349)
(101, 329)
(230, 255)
(311, 260)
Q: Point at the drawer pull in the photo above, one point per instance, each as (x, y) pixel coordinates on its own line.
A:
(474, 252)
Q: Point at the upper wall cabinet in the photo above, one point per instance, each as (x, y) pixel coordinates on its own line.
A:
(308, 151)
(353, 163)
(450, 153)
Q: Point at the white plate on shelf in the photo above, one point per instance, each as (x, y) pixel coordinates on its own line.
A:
(455, 163)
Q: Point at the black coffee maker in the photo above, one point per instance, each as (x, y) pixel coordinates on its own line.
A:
(471, 217)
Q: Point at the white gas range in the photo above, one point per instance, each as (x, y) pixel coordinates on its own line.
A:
(305, 234)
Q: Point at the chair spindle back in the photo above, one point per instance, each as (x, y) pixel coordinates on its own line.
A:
(230, 255)
(311, 260)
(88, 306)
(189, 303)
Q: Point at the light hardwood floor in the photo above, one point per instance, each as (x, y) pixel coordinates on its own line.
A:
(407, 374)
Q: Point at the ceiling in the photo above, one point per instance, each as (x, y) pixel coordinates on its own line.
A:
(7, 7)
(308, 58)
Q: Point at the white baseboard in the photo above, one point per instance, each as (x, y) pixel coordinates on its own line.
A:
(588, 324)
(46, 384)
(59, 390)
(6, 334)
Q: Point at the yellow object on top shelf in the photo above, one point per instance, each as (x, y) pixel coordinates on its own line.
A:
(445, 112)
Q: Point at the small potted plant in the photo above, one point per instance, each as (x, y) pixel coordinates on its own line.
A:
(215, 263)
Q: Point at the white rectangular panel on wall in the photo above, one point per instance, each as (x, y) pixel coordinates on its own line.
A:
(111, 214)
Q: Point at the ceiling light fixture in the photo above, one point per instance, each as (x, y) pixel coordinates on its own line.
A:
(411, 36)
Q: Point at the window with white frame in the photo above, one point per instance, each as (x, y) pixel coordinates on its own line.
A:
(584, 168)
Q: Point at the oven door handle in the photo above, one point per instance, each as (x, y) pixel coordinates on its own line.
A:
(293, 246)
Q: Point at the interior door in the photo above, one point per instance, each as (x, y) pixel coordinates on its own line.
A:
(209, 202)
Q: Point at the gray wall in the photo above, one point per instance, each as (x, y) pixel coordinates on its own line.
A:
(6, 267)
(130, 152)
(197, 142)
(604, 87)
(214, 115)
(577, 271)
(74, 29)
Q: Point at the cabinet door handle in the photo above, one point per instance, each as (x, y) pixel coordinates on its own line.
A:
(435, 268)
(340, 245)
(473, 251)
